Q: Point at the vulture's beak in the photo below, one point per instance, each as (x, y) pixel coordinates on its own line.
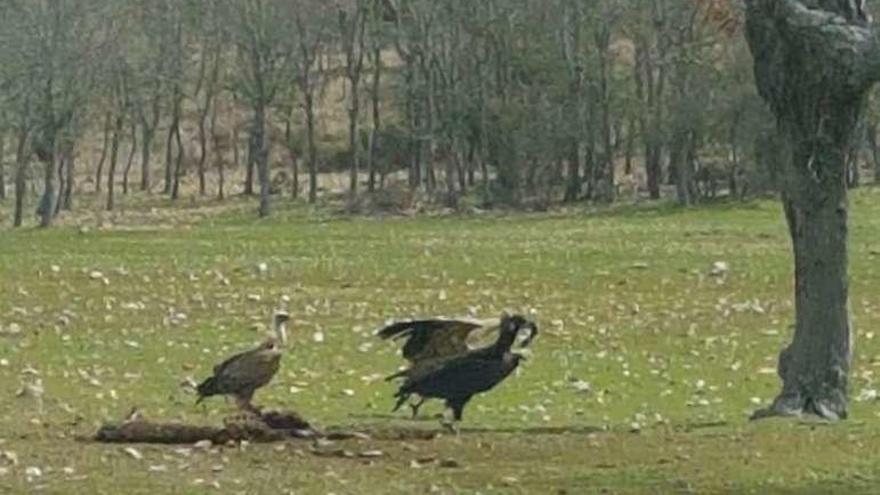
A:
(533, 332)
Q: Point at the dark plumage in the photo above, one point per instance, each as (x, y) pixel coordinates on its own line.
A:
(242, 374)
(430, 342)
(457, 377)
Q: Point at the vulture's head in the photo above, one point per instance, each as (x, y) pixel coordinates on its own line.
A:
(514, 324)
(280, 325)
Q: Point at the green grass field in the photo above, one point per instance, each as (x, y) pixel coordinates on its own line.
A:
(675, 359)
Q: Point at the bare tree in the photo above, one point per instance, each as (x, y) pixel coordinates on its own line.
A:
(352, 32)
(261, 32)
(310, 17)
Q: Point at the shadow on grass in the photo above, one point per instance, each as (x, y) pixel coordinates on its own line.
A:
(424, 428)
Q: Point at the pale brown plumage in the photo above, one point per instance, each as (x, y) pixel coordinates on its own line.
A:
(242, 374)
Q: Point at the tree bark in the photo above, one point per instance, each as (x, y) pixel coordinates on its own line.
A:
(814, 66)
(114, 160)
(62, 165)
(261, 151)
(70, 169)
(178, 160)
(99, 173)
(169, 146)
(251, 163)
(374, 131)
(148, 131)
(21, 162)
(46, 209)
(2, 166)
(292, 154)
(131, 153)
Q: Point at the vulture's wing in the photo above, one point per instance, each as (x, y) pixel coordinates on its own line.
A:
(248, 370)
(433, 339)
(230, 360)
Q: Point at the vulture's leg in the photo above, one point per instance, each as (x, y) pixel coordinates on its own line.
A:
(400, 400)
(244, 402)
(457, 406)
(415, 407)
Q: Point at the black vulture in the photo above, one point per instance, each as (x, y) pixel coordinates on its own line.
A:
(242, 374)
(433, 341)
(445, 367)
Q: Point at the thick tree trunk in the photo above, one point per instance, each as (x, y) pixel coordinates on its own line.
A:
(21, 162)
(817, 90)
(146, 147)
(219, 162)
(169, 154)
(148, 132)
(46, 209)
(62, 164)
(251, 163)
(871, 135)
(70, 169)
(573, 176)
(178, 161)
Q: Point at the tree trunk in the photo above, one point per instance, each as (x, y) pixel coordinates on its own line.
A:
(148, 132)
(203, 153)
(114, 159)
(573, 175)
(146, 145)
(354, 148)
(217, 152)
(236, 133)
(178, 160)
(169, 154)
(374, 132)
(21, 162)
(817, 89)
(292, 155)
(251, 163)
(62, 164)
(261, 151)
(46, 209)
(70, 168)
(99, 173)
(313, 152)
(875, 149)
(2, 166)
(131, 154)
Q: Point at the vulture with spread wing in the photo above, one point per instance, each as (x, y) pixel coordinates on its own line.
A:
(446, 364)
(242, 374)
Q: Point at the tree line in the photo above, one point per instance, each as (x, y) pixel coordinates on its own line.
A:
(523, 102)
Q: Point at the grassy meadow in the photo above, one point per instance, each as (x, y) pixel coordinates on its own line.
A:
(641, 380)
